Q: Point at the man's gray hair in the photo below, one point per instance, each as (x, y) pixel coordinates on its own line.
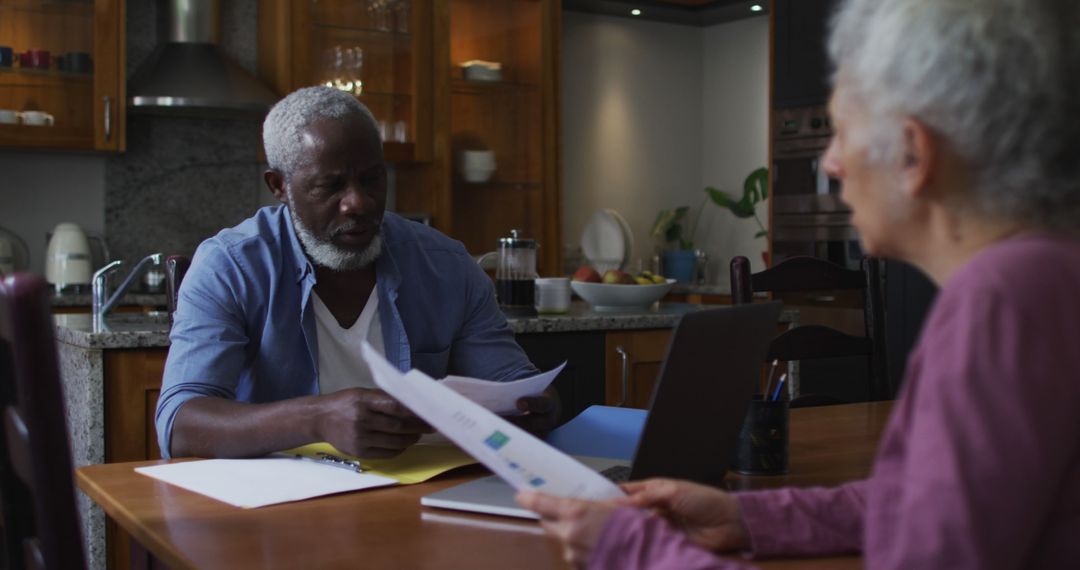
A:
(998, 80)
(286, 121)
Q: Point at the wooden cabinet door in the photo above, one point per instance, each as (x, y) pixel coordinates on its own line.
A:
(378, 51)
(581, 383)
(511, 114)
(132, 385)
(64, 89)
(632, 362)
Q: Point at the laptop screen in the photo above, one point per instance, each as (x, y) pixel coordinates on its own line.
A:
(711, 370)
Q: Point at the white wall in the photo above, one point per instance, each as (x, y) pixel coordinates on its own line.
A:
(631, 112)
(39, 190)
(652, 113)
(735, 115)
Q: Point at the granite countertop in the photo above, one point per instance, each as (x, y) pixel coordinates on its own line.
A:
(148, 330)
(123, 330)
(582, 318)
(83, 299)
(700, 289)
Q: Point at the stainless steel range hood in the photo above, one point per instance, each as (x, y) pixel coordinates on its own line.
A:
(190, 74)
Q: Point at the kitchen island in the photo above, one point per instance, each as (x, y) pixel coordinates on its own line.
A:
(112, 377)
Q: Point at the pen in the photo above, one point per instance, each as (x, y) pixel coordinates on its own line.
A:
(779, 386)
(333, 460)
(768, 379)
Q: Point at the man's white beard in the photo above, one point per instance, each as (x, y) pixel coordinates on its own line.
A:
(326, 254)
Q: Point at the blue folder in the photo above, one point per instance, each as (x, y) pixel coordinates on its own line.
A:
(601, 431)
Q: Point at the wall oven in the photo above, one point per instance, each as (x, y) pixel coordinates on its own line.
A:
(808, 216)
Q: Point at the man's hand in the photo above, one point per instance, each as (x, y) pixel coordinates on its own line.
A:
(539, 413)
(710, 517)
(368, 423)
(575, 522)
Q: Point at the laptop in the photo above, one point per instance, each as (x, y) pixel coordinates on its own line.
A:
(708, 376)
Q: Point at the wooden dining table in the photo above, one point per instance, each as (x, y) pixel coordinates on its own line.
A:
(387, 528)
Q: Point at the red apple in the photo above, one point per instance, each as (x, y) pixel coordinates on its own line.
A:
(587, 274)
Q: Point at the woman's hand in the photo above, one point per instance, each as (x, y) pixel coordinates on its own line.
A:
(711, 518)
(575, 522)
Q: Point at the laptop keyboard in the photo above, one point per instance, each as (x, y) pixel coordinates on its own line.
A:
(617, 473)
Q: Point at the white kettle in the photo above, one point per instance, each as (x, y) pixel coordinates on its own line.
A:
(68, 264)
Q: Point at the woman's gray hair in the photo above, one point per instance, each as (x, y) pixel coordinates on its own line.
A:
(286, 121)
(999, 80)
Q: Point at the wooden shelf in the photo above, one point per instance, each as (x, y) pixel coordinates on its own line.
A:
(399, 152)
(18, 77)
(367, 93)
(84, 9)
(27, 136)
(473, 87)
(392, 35)
(498, 185)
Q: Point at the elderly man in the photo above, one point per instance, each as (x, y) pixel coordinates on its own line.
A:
(958, 145)
(266, 341)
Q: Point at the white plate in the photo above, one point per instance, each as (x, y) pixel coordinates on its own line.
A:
(603, 242)
(607, 296)
(628, 237)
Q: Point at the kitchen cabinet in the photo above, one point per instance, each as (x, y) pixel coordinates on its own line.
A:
(67, 89)
(411, 76)
(801, 73)
(379, 50)
(580, 384)
(632, 362)
(132, 386)
(513, 114)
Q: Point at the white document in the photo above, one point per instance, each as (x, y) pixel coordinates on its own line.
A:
(501, 397)
(517, 456)
(250, 483)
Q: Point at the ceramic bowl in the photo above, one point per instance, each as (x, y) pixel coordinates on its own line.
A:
(606, 296)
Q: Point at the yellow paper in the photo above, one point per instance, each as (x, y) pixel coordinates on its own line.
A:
(415, 465)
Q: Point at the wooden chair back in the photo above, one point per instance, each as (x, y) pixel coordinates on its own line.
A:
(815, 341)
(175, 268)
(41, 522)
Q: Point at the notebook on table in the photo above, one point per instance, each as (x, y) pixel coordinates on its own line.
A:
(708, 376)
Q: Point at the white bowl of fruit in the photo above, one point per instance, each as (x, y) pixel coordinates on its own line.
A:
(617, 290)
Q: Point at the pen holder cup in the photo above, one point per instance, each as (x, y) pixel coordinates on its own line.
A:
(762, 448)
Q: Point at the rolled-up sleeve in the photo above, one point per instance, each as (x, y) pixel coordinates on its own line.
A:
(208, 340)
(484, 346)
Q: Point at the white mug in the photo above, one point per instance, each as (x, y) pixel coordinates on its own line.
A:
(552, 295)
(37, 118)
(9, 117)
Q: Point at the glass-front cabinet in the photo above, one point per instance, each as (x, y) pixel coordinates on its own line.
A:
(378, 50)
(61, 85)
(497, 110)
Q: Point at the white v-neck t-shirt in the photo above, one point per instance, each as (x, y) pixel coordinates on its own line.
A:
(341, 365)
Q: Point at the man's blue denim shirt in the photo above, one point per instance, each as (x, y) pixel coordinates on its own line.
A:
(244, 327)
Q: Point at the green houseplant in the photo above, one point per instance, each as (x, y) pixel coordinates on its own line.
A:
(755, 190)
(677, 227)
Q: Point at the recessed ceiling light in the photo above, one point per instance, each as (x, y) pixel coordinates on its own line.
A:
(756, 8)
(635, 12)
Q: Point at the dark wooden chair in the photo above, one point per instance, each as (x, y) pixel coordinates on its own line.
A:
(41, 523)
(175, 268)
(811, 342)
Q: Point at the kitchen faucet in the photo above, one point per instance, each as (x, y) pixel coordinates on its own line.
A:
(101, 302)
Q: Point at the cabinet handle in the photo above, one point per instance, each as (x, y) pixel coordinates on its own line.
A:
(108, 117)
(625, 374)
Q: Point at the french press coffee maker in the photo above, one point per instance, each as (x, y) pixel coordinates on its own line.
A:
(515, 275)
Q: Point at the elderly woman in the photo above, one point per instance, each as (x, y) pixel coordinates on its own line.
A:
(958, 145)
